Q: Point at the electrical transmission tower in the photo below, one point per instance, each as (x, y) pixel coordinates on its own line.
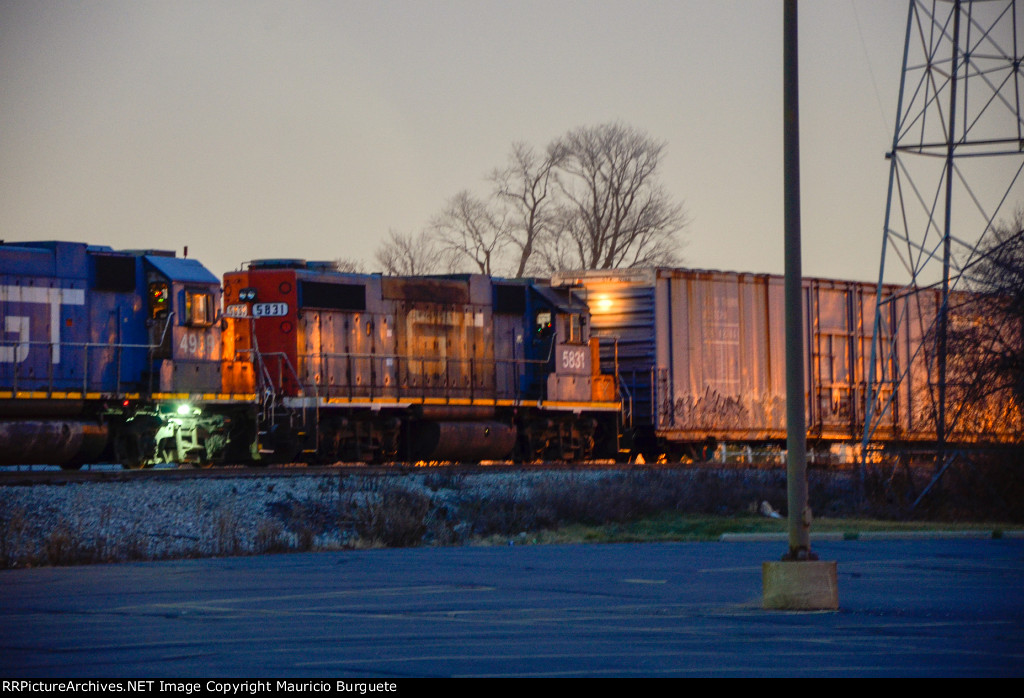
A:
(955, 176)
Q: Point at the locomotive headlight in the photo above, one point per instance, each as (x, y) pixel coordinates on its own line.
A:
(247, 295)
(184, 409)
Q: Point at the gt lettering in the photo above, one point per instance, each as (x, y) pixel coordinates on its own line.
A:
(15, 324)
(19, 324)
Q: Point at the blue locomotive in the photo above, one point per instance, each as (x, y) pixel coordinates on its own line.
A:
(113, 356)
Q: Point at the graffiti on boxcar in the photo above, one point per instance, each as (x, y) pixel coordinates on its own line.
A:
(713, 409)
(834, 404)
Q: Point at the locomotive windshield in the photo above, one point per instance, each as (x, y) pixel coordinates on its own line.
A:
(544, 324)
(159, 300)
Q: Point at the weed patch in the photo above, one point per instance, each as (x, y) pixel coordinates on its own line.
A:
(394, 517)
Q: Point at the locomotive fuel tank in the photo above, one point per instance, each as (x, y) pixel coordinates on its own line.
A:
(53, 441)
(463, 441)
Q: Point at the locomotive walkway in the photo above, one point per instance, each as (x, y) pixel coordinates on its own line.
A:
(947, 607)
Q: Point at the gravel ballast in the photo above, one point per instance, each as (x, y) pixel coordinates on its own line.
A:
(169, 518)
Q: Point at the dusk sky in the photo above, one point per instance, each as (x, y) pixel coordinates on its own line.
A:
(259, 128)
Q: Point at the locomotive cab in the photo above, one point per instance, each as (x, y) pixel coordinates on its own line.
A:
(543, 334)
(559, 358)
(568, 410)
(195, 425)
(181, 319)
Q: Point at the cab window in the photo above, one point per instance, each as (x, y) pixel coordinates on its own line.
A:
(543, 323)
(159, 300)
(574, 329)
(199, 308)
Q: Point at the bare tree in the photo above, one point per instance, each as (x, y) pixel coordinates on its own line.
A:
(470, 229)
(985, 338)
(526, 186)
(615, 213)
(994, 325)
(590, 200)
(501, 234)
(408, 255)
(558, 249)
(350, 266)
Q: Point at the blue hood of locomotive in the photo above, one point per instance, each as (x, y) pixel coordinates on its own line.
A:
(184, 270)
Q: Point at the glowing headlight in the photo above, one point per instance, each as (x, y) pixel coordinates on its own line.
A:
(184, 409)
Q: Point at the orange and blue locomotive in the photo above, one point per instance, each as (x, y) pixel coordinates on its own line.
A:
(365, 367)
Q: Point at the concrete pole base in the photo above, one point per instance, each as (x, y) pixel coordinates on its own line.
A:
(800, 586)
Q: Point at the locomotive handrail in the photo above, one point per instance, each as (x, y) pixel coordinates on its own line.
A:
(282, 360)
(87, 347)
(627, 412)
(338, 355)
(263, 384)
(266, 383)
(379, 361)
(152, 351)
(270, 401)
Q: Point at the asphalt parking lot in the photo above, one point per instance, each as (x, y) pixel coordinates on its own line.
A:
(907, 608)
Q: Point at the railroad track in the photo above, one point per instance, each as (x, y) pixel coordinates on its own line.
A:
(38, 475)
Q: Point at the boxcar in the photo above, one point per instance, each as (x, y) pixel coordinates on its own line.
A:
(700, 356)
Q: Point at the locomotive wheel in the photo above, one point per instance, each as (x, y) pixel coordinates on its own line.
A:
(285, 444)
(135, 443)
(167, 451)
(202, 461)
(129, 451)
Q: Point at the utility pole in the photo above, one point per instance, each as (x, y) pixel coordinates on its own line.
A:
(799, 581)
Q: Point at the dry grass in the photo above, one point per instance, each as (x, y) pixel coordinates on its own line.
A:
(451, 508)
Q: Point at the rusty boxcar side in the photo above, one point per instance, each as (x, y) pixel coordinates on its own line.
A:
(700, 356)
